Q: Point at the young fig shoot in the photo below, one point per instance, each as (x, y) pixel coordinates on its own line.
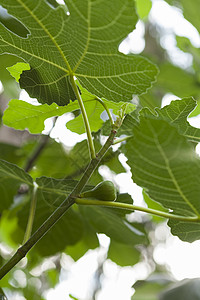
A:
(104, 191)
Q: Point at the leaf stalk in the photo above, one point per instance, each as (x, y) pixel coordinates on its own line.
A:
(31, 214)
(85, 118)
(135, 207)
(120, 140)
(106, 109)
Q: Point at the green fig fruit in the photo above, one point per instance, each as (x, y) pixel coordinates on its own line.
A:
(104, 191)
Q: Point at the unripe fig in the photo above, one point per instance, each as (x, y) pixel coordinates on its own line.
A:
(104, 191)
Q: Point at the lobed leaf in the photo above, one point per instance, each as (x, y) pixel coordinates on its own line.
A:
(80, 43)
(17, 69)
(185, 289)
(177, 81)
(68, 230)
(123, 254)
(176, 114)
(106, 221)
(166, 165)
(11, 178)
(190, 11)
(143, 8)
(22, 115)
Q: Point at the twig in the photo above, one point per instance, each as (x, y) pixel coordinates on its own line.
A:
(36, 153)
(60, 211)
(122, 139)
(38, 150)
(107, 110)
(31, 215)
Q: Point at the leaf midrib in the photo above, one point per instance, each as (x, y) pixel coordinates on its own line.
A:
(38, 57)
(173, 177)
(48, 33)
(10, 175)
(88, 38)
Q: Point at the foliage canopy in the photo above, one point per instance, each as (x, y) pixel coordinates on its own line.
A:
(67, 57)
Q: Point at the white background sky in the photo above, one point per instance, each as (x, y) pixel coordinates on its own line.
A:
(182, 259)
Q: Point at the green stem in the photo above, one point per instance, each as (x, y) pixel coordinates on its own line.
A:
(60, 211)
(135, 207)
(122, 139)
(31, 215)
(85, 118)
(39, 149)
(107, 110)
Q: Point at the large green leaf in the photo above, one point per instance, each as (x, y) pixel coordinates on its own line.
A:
(22, 115)
(185, 45)
(166, 165)
(190, 11)
(106, 221)
(125, 129)
(68, 230)
(149, 291)
(185, 289)
(11, 153)
(150, 288)
(143, 8)
(123, 254)
(71, 164)
(17, 69)
(177, 81)
(94, 110)
(88, 241)
(83, 43)
(154, 205)
(11, 89)
(11, 178)
(176, 113)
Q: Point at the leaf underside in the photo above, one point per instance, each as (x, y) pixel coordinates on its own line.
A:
(176, 114)
(81, 43)
(166, 165)
(11, 178)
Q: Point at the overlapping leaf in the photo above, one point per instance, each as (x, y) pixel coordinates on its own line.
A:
(10, 87)
(72, 164)
(190, 11)
(88, 241)
(75, 227)
(143, 8)
(177, 81)
(94, 110)
(150, 288)
(69, 229)
(107, 221)
(22, 115)
(83, 43)
(11, 177)
(123, 255)
(185, 289)
(176, 114)
(166, 165)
